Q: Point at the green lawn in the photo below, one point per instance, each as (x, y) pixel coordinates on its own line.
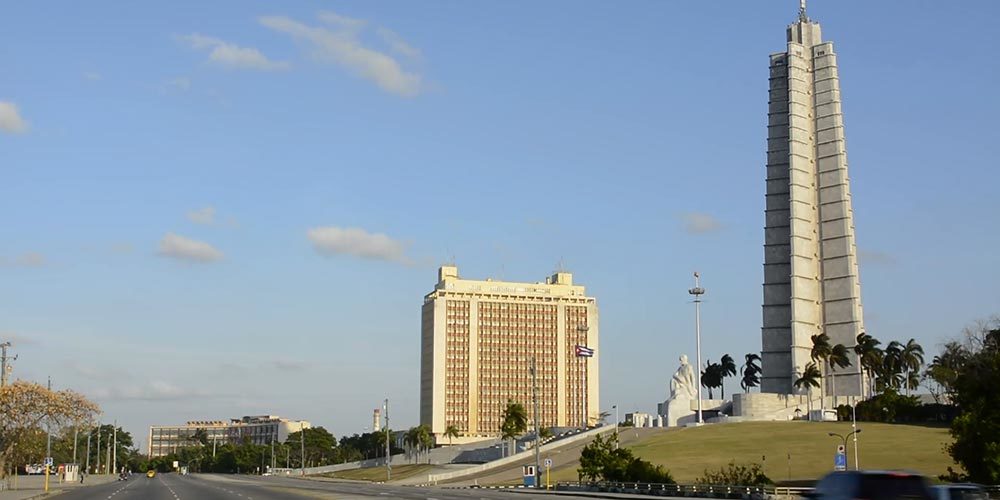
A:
(378, 473)
(687, 452)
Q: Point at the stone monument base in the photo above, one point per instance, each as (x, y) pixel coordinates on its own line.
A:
(678, 412)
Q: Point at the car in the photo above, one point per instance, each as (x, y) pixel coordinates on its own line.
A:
(965, 491)
(872, 485)
(151, 473)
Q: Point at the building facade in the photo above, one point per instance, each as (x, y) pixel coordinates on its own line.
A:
(478, 339)
(258, 429)
(811, 280)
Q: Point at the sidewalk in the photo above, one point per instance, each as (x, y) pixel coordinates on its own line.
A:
(30, 487)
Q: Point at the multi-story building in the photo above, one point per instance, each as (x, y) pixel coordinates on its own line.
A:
(479, 339)
(811, 280)
(258, 429)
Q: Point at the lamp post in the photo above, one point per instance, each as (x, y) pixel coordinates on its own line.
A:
(843, 440)
(697, 291)
(616, 425)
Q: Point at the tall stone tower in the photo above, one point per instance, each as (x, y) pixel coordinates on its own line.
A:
(811, 282)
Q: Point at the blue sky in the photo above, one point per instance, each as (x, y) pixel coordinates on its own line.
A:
(211, 210)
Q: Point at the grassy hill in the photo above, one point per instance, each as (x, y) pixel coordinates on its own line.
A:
(688, 452)
(400, 471)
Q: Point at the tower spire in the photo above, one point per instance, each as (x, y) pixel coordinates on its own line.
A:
(802, 11)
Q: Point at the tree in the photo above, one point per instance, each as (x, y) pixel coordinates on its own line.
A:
(603, 460)
(711, 377)
(751, 372)
(450, 432)
(943, 370)
(870, 357)
(976, 430)
(838, 358)
(736, 474)
(810, 378)
(26, 406)
(820, 353)
(891, 375)
(728, 368)
(320, 446)
(911, 359)
(514, 421)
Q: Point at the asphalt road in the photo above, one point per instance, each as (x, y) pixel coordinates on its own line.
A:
(223, 487)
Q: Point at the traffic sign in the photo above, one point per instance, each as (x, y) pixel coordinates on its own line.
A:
(548, 462)
(840, 449)
(48, 461)
(840, 462)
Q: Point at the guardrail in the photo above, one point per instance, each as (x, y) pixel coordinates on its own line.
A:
(689, 490)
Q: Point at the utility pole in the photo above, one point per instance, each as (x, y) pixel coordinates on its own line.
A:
(5, 368)
(538, 440)
(97, 469)
(75, 439)
(302, 446)
(583, 379)
(698, 291)
(114, 447)
(48, 442)
(87, 467)
(388, 448)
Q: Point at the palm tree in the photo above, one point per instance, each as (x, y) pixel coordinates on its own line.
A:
(810, 378)
(837, 359)
(751, 372)
(892, 366)
(728, 368)
(450, 432)
(820, 353)
(870, 358)
(911, 358)
(514, 421)
(424, 440)
(711, 377)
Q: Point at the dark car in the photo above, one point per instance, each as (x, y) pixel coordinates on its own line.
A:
(872, 485)
(960, 492)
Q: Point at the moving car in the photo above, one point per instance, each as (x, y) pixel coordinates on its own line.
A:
(151, 473)
(872, 485)
(966, 491)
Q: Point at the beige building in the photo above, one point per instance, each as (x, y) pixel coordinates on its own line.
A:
(478, 338)
(811, 282)
(256, 429)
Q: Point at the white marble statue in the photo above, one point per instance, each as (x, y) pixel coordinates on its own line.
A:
(682, 385)
(677, 410)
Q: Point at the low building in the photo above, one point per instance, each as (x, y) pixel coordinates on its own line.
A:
(255, 429)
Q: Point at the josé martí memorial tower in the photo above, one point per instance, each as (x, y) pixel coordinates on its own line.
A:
(811, 282)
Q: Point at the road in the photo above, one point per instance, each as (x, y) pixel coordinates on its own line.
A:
(223, 487)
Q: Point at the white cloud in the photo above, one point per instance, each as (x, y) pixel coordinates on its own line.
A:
(397, 44)
(92, 76)
(179, 83)
(230, 55)
(10, 118)
(181, 248)
(27, 259)
(340, 45)
(332, 240)
(700, 223)
(156, 390)
(204, 216)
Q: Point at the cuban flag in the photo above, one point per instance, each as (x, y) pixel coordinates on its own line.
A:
(583, 351)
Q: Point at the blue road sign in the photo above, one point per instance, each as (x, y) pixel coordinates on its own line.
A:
(840, 461)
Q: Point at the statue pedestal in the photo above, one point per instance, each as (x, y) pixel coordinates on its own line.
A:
(678, 413)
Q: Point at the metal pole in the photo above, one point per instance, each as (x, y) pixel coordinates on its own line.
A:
(48, 442)
(698, 291)
(4, 367)
(114, 447)
(97, 469)
(538, 440)
(87, 467)
(616, 426)
(302, 446)
(854, 425)
(388, 448)
(76, 433)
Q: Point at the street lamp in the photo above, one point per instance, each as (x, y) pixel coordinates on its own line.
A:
(843, 440)
(616, 426)
(697, 291)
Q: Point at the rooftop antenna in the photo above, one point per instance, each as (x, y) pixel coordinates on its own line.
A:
(802, 11)
(560, 268)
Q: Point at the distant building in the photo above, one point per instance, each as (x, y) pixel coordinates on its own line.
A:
(638, 419)
(478, 338)
(259, 429)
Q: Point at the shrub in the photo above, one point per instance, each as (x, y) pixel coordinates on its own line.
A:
(736, 474)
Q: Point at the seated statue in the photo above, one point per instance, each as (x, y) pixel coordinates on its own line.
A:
(682, 385)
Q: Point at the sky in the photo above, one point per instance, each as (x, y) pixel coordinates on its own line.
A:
(216, 209)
